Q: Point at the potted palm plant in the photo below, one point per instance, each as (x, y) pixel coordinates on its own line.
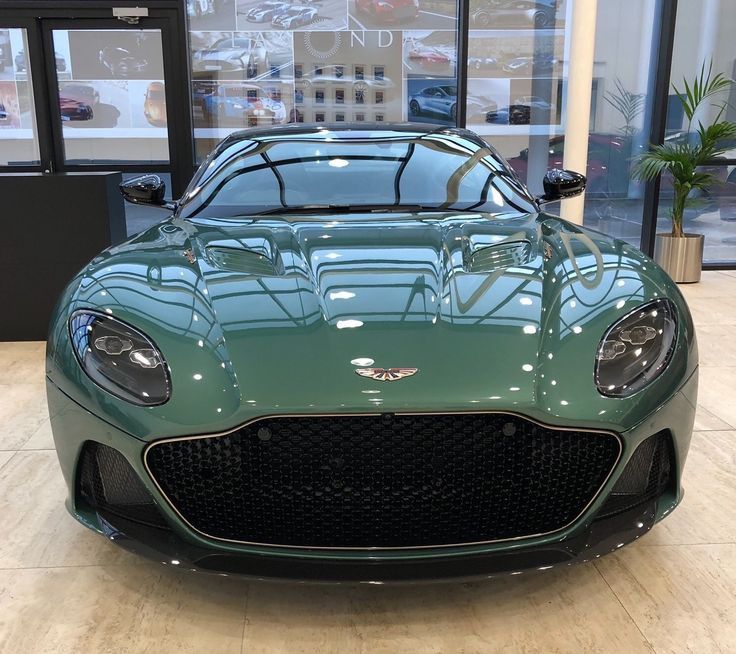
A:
(681, 254)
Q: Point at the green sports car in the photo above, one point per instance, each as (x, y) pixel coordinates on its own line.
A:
(363, 353)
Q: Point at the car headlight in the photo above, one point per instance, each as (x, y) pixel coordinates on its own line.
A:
(636, 349)
(119, 358)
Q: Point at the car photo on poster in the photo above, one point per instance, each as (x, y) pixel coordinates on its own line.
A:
(320, 75)
(246, 105)
(121, 62)
(102, 103)
(520, 54)
(77, 102)
(294, 16)
(412, 14)
(435, 103)
(264, 12)
(21, 63)
(324, 15)
(211, 14)
(154, 105)
(488, 101)
(522, 14)
(116, 54)
(241, 55)
(538, 63)
(9, 105)
(6, 55)
(430, 53)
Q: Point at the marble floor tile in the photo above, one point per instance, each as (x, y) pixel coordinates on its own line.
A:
(22, 361)
(42, 438)
(132, 609)
(714, 345)
(682, 598)
(565, 610)
(36, 528)
(712, 311)
(716, 391)
(712, 284)
(23, 410)
(707, 513)
(5, 456)
(706, 421)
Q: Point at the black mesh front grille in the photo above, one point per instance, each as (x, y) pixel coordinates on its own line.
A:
(108, 484)
(646, 476)
(383, 481)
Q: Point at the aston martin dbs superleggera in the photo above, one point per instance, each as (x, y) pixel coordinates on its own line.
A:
(366, 353)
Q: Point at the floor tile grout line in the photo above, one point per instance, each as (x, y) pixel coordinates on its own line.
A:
(131, 564)
(15, 452)
(245, 619)
(715, 544)
(621, 604)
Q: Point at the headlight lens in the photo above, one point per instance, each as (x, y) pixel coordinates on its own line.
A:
(636, 350)
(119, 358)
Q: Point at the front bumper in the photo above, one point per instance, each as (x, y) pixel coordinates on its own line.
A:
(586, 539)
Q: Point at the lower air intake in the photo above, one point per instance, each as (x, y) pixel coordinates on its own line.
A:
(383, 481)
(646, 476)
(110, 486)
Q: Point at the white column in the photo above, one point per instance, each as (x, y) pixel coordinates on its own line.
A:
(579, 85)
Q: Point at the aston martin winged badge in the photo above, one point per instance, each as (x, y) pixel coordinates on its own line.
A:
(386, 374)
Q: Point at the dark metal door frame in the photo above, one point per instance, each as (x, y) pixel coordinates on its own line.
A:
(40, 17)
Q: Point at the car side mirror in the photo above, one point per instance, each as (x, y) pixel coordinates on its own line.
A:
(561, 184)
(146, 189)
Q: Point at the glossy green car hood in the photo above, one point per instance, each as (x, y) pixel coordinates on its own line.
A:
(268, 316)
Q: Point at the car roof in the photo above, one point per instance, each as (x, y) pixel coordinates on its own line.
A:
(345, 131)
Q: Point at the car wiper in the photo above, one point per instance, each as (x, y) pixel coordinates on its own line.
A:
(354, 208)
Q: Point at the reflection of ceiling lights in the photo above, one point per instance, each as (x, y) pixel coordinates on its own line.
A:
(349, 324)
(362, 361)
(338, 163)
(342, 295)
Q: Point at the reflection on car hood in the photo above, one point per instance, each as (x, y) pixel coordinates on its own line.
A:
(272, 312)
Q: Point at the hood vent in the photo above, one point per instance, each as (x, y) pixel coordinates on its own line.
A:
(257, 259)
(488, 258)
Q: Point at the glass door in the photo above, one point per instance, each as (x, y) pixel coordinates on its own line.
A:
(110, 94)
(19, 143)
(117, 101)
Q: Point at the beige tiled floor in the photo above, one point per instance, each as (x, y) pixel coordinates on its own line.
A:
(63, 589)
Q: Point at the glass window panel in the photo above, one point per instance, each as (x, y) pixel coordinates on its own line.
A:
(18, 137)
(704, 34)
(112, 97)
(335, 60)
(623, 73)
(516, 73)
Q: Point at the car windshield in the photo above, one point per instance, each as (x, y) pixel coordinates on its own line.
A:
(431, 171)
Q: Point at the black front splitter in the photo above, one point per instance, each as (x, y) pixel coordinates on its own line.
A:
(601, 537)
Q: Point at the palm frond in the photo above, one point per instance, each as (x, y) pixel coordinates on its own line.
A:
(713, 138)
(704, 86)
(629, 105)
(678, 159)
